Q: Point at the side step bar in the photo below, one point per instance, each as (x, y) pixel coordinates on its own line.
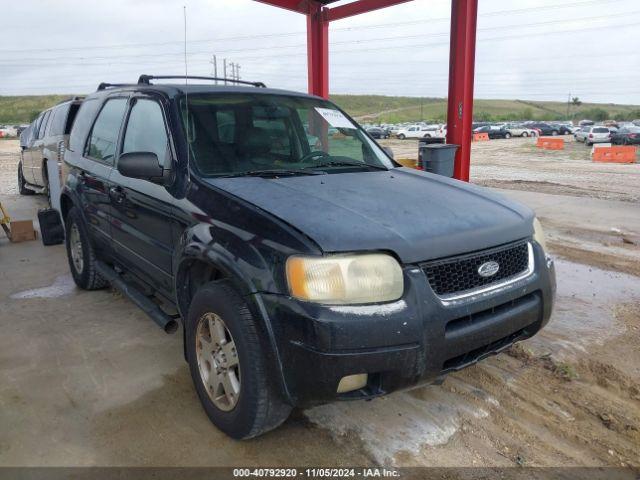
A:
(164, 321)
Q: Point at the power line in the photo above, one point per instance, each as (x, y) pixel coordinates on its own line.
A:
(280, 34)
(347, 42)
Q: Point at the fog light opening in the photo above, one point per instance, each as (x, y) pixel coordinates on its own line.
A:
(352, 382)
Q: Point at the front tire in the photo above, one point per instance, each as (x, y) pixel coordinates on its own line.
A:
(507, 135)
(80, 253)
(525, 134)
(22, 183)
(228, 365)
(401, 136)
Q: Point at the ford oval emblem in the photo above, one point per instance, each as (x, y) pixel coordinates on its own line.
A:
(488, 269)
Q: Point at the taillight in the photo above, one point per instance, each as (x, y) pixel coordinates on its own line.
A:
(591, 135)
(632, 135)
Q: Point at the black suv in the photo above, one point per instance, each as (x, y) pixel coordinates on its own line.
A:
(305, 264)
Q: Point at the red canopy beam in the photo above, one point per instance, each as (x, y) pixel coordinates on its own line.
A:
(462, 57)
(358, 7)
(318, 51)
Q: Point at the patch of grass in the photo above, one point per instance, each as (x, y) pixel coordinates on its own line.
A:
(24, 109)
(387, 109)
(565, 371)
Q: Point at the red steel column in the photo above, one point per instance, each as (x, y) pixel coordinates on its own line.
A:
(318, 50)
(464, 14)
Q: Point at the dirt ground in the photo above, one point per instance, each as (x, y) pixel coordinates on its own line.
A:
(86, 379)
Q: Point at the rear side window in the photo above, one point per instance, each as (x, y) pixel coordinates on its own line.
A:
(58, 119)
(82, 124)
(73, 111)
(101, 144)
(43, 124)
(146, 131)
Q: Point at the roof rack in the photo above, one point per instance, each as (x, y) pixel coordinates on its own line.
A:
(146, 79)
(104, 85)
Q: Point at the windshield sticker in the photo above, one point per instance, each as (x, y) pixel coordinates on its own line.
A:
(335, 118)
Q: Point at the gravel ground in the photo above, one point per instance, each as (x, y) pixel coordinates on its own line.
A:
(517, 164)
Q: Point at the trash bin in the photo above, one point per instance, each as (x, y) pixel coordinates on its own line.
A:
(437, 158)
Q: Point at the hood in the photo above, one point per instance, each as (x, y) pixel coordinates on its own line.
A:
(417, 215)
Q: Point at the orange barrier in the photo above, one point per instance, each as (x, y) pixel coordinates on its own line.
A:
(480, 137)
(550, 143)
(614, 154)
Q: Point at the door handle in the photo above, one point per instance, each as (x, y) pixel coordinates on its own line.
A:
(117, 195)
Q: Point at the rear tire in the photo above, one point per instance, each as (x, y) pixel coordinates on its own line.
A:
(22, 184)
(253, 406)
(401, 136)
(554, 133)
(525, 134)
(80, 253)
(507, 135)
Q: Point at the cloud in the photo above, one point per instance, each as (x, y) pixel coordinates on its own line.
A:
(530, 50)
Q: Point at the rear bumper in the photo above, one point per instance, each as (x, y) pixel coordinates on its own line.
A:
(413, 341)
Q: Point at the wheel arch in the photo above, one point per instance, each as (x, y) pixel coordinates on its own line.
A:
(194, 271)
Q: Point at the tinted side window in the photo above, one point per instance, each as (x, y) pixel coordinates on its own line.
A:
(146, 131)
(43, 124)
(73, 111)
(101, 144)
(82, 124)
(58, 119)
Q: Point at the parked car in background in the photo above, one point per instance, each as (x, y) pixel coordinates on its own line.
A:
(494, 132)
(377, 132)
(8, 131)
(586, 123)
(626, 136)
(581, 133)
(296, 278)
(545, 129)
(417, 131)
(593, 134)
(564, 129)
(46, 142)
(520, 130)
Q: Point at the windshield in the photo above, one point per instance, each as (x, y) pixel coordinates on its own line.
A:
(239, 134)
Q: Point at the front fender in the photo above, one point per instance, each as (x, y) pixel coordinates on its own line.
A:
(198, 245)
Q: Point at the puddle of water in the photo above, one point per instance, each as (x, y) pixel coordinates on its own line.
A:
(585, 306)
(407, 421)
(63, 285)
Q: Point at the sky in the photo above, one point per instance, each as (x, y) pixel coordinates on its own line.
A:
(526, 49)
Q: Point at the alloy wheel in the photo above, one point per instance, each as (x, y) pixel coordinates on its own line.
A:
(75, 247)
(218, 361)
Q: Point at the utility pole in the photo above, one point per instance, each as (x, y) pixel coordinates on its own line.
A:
(568, 105)
(237, 71)
(225, 70)
(214, 62)
(233, 71)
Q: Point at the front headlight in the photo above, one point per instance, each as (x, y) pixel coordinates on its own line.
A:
(345, 279)
(538, 234)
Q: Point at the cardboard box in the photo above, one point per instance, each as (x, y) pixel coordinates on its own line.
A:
(22, 231)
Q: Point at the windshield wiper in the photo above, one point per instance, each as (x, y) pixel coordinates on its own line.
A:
(342, 163)
(273, 172)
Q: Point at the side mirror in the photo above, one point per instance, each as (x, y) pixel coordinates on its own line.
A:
(388, 151)
(142, 165)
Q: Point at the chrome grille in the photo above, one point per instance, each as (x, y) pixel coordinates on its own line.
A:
(459, 274)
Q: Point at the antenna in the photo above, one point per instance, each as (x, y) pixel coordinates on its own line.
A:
(186, 82)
